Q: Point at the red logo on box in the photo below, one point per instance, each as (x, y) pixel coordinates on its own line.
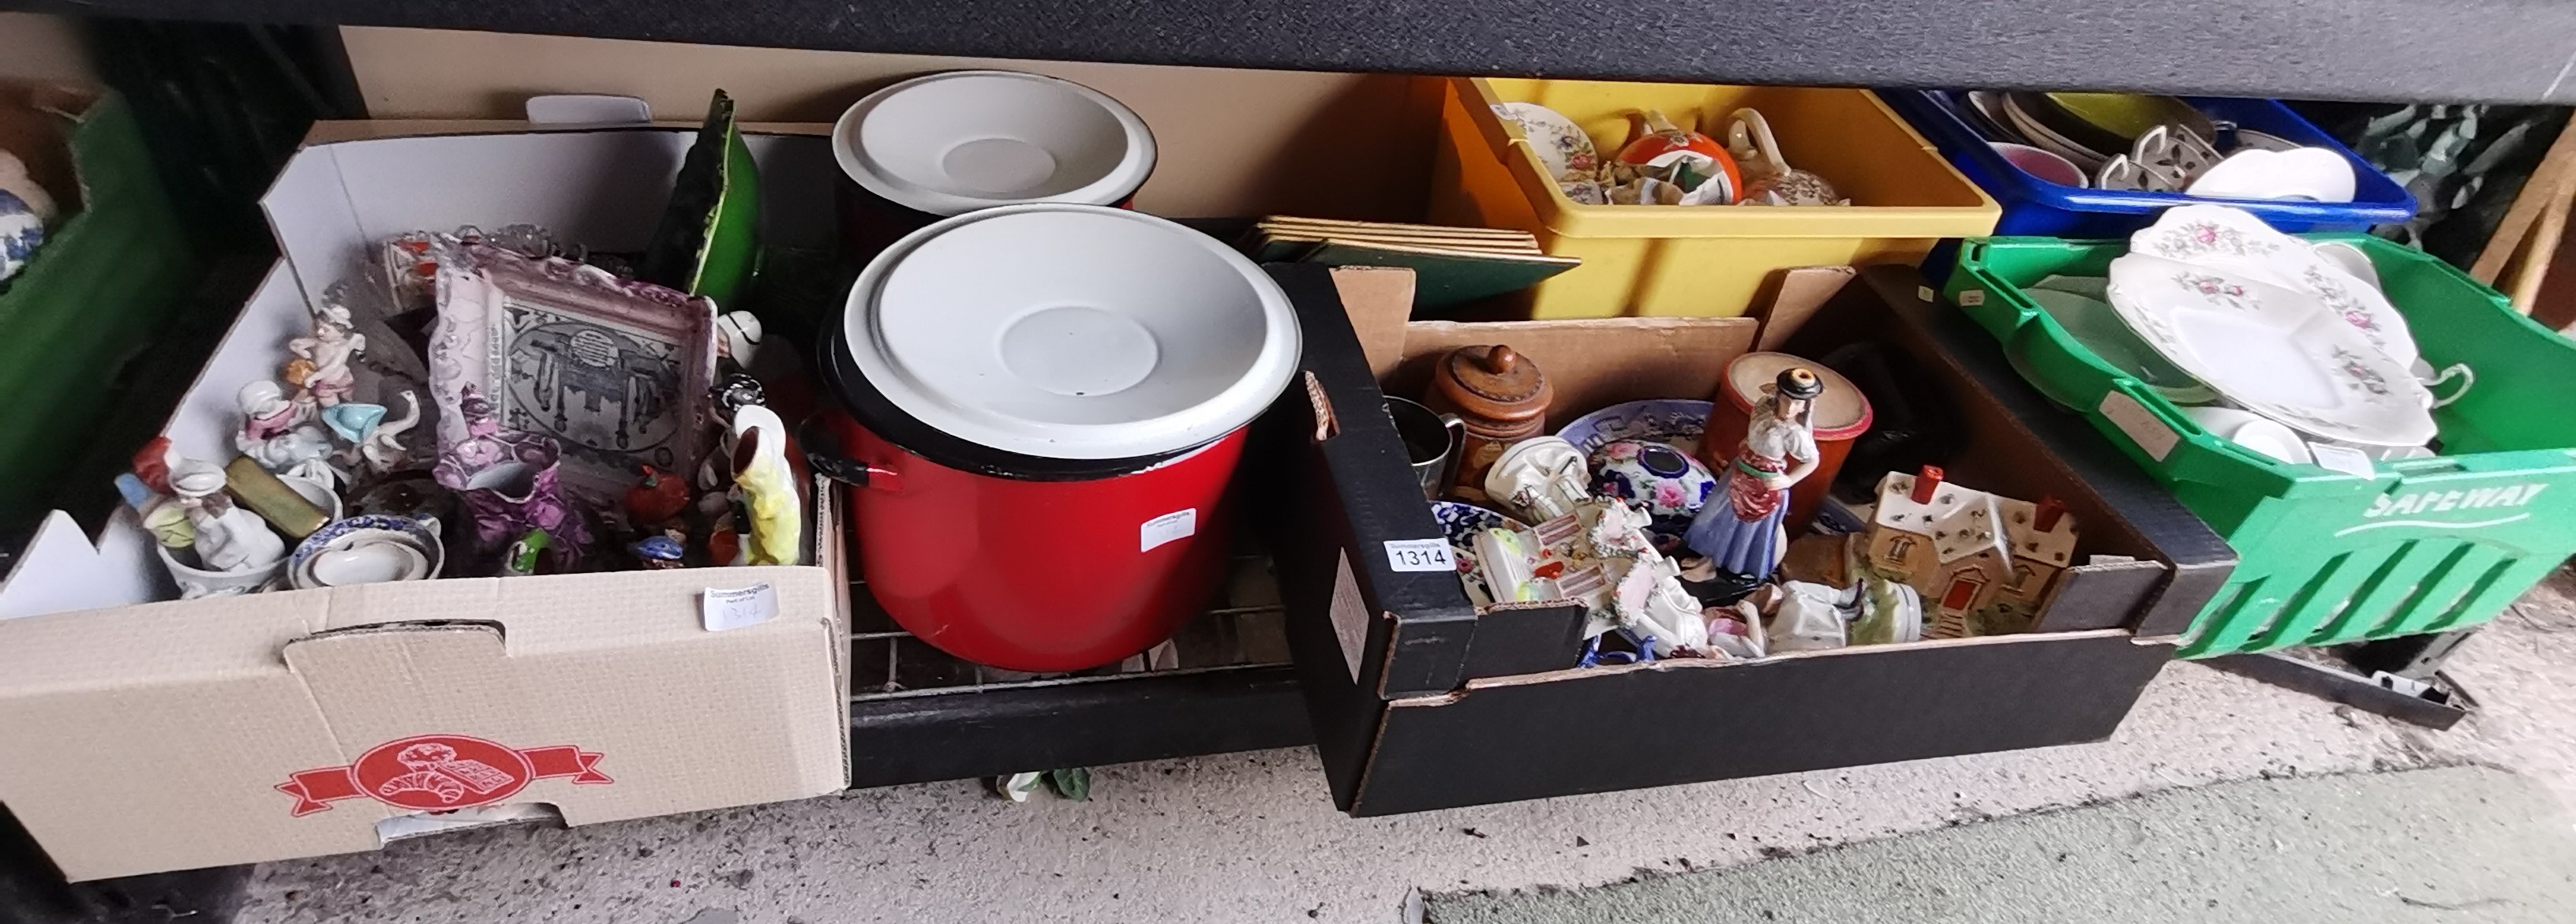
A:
(439, 772)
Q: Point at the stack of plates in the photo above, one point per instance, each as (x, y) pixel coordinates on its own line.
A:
(2269, 324)
(1451, 266)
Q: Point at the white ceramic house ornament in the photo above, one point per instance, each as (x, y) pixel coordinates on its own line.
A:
(1983, 563)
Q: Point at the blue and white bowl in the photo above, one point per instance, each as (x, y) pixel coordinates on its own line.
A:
(419, 533)
(1677, 421)
(21, 232)
(1461, 523)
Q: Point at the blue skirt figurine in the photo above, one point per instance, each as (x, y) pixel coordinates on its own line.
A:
(1744, 535)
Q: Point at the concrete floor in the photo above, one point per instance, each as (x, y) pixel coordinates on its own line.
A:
(2435, 846)
(1254, 837)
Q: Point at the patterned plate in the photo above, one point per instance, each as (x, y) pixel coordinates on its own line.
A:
(1675, 421)
(1461, 523)
(2237, 243)
(2278, 351)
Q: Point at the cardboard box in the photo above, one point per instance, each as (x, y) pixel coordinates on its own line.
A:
(1421, 700)
(153, 736)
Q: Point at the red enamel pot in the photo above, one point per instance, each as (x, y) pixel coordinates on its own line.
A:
(1043, 408)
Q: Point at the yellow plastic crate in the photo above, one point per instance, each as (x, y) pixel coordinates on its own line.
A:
(1698, 260)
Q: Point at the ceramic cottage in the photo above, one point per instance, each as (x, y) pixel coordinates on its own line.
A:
(1982, 562)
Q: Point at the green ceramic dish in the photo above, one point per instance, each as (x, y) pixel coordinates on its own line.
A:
(2125, 115)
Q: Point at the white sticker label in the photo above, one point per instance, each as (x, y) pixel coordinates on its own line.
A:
(1970, 298)
(2140, 424)
(734, 609)
(1178, 524)
(1419, 555)
(1923, 293)
(1350, 615)
(2343, 459)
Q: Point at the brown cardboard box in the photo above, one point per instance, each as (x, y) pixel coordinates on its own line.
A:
(1420, 700)
(199, 733)
(152, 736)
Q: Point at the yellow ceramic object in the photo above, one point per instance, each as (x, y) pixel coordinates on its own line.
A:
(2129, 115)
(768, 487)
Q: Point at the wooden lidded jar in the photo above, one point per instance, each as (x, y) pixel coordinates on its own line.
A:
(1502, 398)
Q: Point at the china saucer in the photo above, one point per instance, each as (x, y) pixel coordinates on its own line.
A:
(2277, 351)
(2231, 241)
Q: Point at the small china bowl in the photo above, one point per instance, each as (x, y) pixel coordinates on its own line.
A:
(2041, 164)
(343, 543)
(365, 562)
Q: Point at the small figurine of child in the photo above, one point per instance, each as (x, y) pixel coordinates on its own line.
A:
(333, 348)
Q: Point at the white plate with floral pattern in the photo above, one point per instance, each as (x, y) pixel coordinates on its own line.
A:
(2277, 351)
(2233, 241)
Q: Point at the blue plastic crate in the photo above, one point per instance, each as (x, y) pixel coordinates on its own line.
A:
(2033, 206)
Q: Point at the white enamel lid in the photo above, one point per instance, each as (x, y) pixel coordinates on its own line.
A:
(954, 142)
(1071, 332)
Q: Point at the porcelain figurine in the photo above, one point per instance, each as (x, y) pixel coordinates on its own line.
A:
(1649, 600)
(230, 539)
(161, 514)
(1539, 479)
(1744, 535)
(279, 433)
(327, 355)
(508, 483)
(372, 438)
(658, 552)
(768, 486)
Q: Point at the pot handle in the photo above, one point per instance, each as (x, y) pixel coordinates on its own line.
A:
(828, 458)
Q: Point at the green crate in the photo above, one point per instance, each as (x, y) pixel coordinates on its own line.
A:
(2426, 545)
(99, 293)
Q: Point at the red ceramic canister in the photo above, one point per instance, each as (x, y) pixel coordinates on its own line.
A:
(1044, 407)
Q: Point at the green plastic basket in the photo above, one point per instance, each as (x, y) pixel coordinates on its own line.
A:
(2326, 558)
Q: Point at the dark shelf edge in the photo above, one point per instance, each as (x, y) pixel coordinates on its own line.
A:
(2395, 50)
(992, 732)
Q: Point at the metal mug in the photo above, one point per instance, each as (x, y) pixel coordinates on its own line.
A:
(1431, 440)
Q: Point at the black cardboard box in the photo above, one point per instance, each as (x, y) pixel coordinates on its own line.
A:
(1420, 701)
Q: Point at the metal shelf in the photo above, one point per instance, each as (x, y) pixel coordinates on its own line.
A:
(2413, 50)
(1226, 684)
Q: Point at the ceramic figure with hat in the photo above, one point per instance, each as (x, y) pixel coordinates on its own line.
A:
(230, 539)
(1744, 534)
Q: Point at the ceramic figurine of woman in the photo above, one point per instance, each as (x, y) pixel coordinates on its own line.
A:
(1745, 535)
(331, 350)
